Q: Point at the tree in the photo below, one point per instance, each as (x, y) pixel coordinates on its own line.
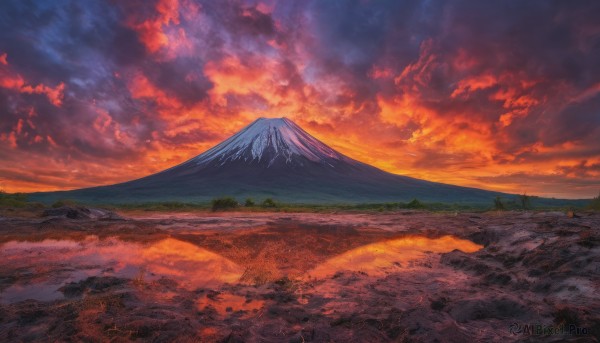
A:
(525, 201)
(595, 203)
(415, 203)
(269, 203)
(498, 205)
(224, 203)
(249, 203)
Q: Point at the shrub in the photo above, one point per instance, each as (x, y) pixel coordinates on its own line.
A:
(525, 201)
(269, 203)
(12, 200)
(249, 203)
(498, 205)
(415, 204)
(64, 202)
(224, 203)
(391, 206)
(595, 203)
(172, 205)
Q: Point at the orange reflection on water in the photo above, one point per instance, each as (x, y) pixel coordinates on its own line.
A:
(230, 303)
(189, 263)
(377, 257)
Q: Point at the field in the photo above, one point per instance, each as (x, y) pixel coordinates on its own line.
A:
(320, 276)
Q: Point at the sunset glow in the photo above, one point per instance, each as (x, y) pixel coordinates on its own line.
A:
(502, 96)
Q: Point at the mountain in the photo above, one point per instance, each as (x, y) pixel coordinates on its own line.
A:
(274, 158)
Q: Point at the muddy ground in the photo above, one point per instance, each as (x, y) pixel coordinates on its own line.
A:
(301, 277)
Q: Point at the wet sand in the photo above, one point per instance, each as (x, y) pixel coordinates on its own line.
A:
(300, 277)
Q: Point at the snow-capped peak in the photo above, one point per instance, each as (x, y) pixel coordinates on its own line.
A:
(267, 140)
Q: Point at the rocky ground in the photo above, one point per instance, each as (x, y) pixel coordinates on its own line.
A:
(84, 275)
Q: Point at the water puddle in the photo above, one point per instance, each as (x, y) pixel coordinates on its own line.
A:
(44, 267)
(40, 270)
(377, 258)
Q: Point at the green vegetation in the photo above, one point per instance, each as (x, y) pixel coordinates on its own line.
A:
(13, 200)
(519, 202)
(595, 203)
(172, 206)
(64, 202)
(498, 205)
(269, 203)
(524, 201)
(224, 204)
(415, 204)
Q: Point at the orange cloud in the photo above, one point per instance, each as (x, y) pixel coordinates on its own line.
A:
(13, 81)
(151, 31)
(380, 73)
(55, 95)
(473, 84)
(230, 75)
(141, 88)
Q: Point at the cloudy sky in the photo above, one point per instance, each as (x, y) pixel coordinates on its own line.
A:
(502, 95)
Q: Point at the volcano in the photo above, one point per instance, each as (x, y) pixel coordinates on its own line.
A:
(275, 158)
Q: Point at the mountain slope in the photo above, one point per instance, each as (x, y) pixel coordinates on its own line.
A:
(270, 141)
(275, 158)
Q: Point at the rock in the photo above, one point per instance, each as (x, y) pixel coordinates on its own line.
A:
(81, 213)
(439, 304)
(486, 236)
(94, 284)
(461, 260)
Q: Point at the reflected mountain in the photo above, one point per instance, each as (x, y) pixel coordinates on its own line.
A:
(193, 261)
(48, 265)
(377, 258)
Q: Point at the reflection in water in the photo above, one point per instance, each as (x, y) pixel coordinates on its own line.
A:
(37, 270)
(377, 257)
(47, 265)
(36, 291)
(189, 264)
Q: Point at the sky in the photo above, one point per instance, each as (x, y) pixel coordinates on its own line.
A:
(500, 95)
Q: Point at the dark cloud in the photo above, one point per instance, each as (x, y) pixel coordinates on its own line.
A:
(576, 121)
(125, 47)
(252, 21)
(181, 78)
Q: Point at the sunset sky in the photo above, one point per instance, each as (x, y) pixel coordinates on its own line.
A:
(501, 95)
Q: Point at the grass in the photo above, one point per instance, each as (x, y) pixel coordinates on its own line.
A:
(269, 203)
(226, 203)
(164, 206)
(18, 204)
(17, 200)
(64, 202)
(368, 207)
(518, 203)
